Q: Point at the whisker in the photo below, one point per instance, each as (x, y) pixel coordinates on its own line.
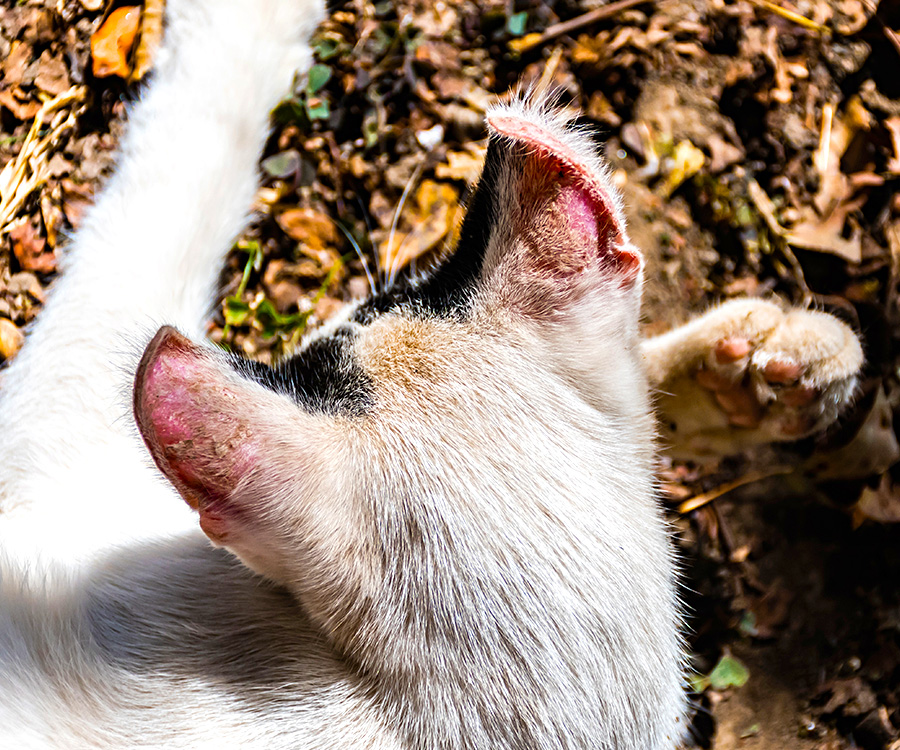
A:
(359, 254)
(378, 270)
(409, 186)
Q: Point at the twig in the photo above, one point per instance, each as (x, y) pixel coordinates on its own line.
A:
(28, 170)
(893, 37)
(792, 16)
(531, 41)
(824, 151)
(545, 83)
(698, 501)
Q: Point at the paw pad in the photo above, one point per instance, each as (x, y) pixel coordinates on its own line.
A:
(747, 372)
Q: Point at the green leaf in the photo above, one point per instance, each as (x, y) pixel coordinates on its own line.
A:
(317, 109)
(729, 672)
(283, 165)
(326, 48)
(515, 24)
(318, 76)
(698, 682)
(236, 312)
(289, 110)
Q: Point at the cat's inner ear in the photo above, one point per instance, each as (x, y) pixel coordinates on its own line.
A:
(546, 216)
(220, 438)
(195, 421)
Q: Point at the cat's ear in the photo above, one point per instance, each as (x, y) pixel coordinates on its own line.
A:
(222, 441)
(545, 218)
(546, 233)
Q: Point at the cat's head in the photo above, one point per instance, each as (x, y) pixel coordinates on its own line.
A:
(473, 392)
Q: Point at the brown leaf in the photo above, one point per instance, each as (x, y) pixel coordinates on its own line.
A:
(29, 249)
(39, 26)
(462, 165)
(76, 200)
(313, 228)
(438, 55)
(20, 104)
(881, 504)
(52, 215)
(19, 57)
(826, 234)
(53, 75)
(431, 218)
(893, 126)
(851, 696)
(112, 42)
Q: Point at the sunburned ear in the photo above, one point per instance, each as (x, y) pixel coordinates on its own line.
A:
(259, 469)
(252, 463)
(197, 421)
(547, 217)
(547, 234)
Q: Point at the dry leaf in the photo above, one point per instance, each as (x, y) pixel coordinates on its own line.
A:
(77, 199)
(893, 126)
(881, 504)
(11, 339)
(112, 42)
(316, 236)
(826, 235)
(53, 75)
(430, 217)
(19, 57)
(29, 249)
(313, 228)
(462, 165)
(22, 106)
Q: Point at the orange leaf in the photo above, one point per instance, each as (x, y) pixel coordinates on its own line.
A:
(313, 228)
(112, 42)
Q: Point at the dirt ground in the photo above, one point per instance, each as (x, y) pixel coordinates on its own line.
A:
(758, 147)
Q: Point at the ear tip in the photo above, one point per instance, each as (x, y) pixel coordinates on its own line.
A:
(166, 340)
(168, 350)
(168, 337)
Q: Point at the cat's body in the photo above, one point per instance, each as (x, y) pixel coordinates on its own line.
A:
(451, 485)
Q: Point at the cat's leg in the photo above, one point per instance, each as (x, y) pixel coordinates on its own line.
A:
(149, 252)
(749, 372)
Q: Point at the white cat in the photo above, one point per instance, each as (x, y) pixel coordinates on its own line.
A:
(446, 496)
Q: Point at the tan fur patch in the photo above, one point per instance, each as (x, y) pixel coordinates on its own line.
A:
(405, 353)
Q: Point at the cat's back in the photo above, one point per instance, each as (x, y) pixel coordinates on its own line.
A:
(171, 645)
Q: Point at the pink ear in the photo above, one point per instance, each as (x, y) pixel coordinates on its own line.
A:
(584, 195)
(189, 411)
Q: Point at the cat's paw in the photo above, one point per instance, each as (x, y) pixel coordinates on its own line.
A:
(746, 373)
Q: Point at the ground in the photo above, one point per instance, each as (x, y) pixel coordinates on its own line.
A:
(758, 148)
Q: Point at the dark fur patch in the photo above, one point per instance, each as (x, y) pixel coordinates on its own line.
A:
(324, 377)
(447, 290)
